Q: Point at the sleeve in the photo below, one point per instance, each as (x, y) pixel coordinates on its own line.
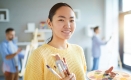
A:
(35, 67)
(83, 60)
(21, 55)
(4, 50)
(98, 41)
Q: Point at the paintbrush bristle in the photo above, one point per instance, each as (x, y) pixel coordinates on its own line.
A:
(47, 66)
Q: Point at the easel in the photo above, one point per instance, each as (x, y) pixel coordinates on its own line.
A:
(29, 49)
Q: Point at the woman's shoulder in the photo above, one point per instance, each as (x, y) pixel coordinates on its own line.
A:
(44, 46)
(75, 46)
(78, 49)
(41, 49)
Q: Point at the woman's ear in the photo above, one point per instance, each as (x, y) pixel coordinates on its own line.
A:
(49, 23)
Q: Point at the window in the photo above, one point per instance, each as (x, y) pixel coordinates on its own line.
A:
(127, 39)
(126, 5)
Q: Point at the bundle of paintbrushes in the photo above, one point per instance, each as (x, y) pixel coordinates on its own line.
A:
(62, 67)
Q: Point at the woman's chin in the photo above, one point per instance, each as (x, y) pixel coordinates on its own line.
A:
(67, 37)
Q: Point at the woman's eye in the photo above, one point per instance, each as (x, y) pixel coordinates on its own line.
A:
(71, 20)
(61, 20)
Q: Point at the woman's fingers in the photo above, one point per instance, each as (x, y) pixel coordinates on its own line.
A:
(73, 78)
(70, 77)
(67, 69)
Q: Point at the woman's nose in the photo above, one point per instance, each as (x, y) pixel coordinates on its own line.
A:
(67, 25)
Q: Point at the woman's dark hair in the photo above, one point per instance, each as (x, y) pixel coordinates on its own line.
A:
(53, 11)
(95, 28)
(55, 8)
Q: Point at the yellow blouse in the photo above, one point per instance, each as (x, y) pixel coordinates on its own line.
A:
(36, 66)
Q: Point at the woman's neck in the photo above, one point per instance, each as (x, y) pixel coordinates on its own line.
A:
(60, 44)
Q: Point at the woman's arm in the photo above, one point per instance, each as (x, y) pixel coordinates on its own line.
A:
(35, 67)
(99, 41)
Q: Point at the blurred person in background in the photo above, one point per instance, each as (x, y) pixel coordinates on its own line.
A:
(96, 44)
(11, 55)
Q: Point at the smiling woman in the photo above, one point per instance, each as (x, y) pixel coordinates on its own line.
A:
(63, 24)
(61, 20)
(65, 15)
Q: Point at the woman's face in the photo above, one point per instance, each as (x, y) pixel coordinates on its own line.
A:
(97, 31)
(63, 23)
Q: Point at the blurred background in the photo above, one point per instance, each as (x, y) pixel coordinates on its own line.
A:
(112, 16)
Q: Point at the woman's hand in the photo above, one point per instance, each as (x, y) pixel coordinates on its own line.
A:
(70, 77)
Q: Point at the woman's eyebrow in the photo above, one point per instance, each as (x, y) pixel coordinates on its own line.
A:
(61, 16)
(64, 17)
(72, 17)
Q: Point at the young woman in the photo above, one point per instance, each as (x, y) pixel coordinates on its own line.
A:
(61, 20)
